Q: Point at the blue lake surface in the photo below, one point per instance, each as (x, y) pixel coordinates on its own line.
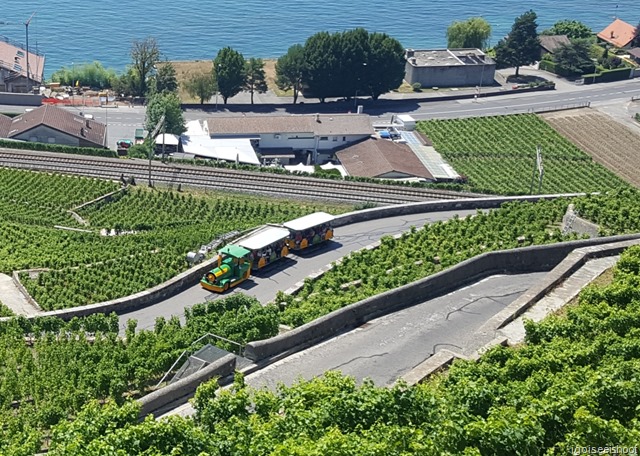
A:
(74, 32)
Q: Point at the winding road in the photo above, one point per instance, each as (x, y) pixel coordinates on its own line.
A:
(288, 271)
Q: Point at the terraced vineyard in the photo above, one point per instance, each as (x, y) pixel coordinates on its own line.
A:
(573, 383)
(498, 155)
(610, 143)
(83, 267)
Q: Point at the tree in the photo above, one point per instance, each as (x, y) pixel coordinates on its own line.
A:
(126, 84)
(165, 79)
(290, 70)
(229, 72)
(521, 46)
(385, 64)
(166, 103)
(145, 55)
(345, 64)
(472, 33)
(322, 62)
(574, 58)
(201, 85)
(573, 29)
(255, 79)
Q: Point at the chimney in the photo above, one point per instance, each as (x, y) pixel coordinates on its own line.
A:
(83, 133)
(318, 118)
(410, 53)
(612, 34)
(87, 124)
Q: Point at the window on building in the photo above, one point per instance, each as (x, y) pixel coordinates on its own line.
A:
(324, 138)
(344, 138)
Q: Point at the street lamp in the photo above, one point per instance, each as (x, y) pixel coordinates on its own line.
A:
(215, 67)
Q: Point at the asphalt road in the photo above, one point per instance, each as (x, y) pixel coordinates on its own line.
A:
(386, 348)
(288, 271)
(123, 121)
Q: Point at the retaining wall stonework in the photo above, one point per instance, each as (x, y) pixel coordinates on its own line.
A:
(516, 261)
(186, 386)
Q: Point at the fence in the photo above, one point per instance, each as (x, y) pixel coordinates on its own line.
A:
(564, 107)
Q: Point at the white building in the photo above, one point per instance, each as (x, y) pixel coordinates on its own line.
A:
(292, 137)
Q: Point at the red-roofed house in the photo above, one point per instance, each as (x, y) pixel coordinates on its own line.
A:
(53, 125)
(619, 33)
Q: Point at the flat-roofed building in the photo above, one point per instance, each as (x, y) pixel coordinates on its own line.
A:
(449, 67)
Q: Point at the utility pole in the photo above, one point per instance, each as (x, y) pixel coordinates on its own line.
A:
(26, 25)
(152, 143)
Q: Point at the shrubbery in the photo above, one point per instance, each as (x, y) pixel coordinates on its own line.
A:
(92, 151)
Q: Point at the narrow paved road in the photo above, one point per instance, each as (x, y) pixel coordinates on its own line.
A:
(289, 271)
(386, 348)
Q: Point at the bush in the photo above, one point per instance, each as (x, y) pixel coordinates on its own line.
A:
(26, 145)
(607, 76)
(417, 87)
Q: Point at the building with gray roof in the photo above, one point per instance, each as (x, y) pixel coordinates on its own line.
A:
(449, 67)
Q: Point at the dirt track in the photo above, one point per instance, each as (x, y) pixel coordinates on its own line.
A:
(610, 143)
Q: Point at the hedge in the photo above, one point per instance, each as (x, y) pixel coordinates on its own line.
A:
(618, 74)
(92, 151)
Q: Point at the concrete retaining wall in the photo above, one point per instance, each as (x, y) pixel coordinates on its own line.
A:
(20, 99)
(187, 386)
(516, 261)
(438, 206)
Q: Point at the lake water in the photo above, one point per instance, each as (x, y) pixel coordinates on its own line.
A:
(73, 32)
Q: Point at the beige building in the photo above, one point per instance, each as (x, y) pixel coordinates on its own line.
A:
(449, 67)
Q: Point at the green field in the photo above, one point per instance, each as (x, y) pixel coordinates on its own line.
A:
(498, 155)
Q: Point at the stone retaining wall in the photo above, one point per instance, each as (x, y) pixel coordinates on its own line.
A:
(515, 261)
(186, 386)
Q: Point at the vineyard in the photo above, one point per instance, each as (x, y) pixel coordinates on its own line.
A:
(498, 155)
(63, 368)
(573, 383)
(609, 143)
(157, 229)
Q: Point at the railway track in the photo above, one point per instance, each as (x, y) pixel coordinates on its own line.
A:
(221, 179)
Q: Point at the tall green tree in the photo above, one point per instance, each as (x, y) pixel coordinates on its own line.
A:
(472, 33)
(229, 72)
(290, 70)
(385, 66)
(521, 46)
(166, 103)
(354, 49)
(574, 58)
(165, 79)
(145, 54)
(321, 54)
(255, 78)
(573, 29)
(201, 85)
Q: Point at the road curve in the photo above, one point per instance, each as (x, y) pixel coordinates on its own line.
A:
(288, 271)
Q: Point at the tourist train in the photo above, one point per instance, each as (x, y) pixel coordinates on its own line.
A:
(264, 246)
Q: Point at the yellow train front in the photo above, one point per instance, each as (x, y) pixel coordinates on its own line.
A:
(310, 230)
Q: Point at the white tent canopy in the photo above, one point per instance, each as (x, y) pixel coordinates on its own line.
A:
(167, 139)
(300, 168)
(197, 142)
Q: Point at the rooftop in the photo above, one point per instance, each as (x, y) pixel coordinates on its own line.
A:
(377, 157)
(61, 120)
(619, 33)
(318, 124)
(13, 57)
(552, 42)
(446, 57)
(635, 52)
(5, 126)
